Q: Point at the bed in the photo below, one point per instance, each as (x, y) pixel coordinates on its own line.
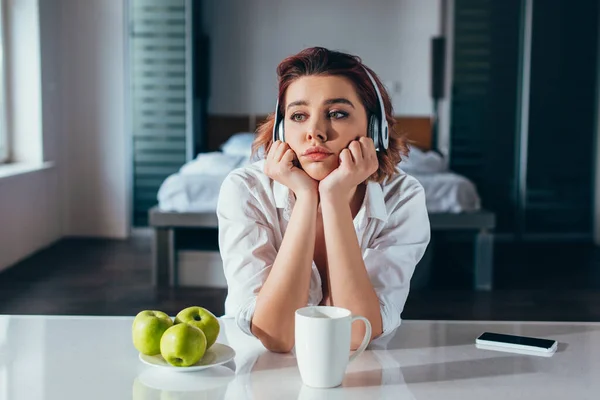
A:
(185, 223)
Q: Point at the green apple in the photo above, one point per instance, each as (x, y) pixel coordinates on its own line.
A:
(183, 345)
(203, 319)
(148, 328)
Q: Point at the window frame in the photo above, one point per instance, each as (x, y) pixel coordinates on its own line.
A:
(5, 139)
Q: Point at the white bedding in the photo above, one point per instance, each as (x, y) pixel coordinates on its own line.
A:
(190, 193)
(448, 192)
(195, 188)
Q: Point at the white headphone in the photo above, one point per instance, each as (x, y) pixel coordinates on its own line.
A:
(377, 128)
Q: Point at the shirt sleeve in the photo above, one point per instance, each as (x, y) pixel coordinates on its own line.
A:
(392, 256)
(246, 243)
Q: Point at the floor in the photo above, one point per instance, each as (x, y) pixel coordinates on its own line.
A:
(542, 281)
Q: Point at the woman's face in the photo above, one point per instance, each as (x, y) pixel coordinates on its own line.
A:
(323, 114)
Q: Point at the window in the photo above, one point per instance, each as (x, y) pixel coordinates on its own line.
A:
(4, 143)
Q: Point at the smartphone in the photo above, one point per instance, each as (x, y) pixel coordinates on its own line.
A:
(526, 343)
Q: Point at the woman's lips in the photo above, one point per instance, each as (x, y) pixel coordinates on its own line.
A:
(317, 156)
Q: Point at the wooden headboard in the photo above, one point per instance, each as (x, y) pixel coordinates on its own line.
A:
(220, 127)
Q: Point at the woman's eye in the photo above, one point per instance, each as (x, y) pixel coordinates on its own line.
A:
(337, 115)
(297, 117)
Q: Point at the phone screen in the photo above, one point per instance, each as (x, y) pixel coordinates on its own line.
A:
(512, 339)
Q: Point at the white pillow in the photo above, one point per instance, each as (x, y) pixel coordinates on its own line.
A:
(240, 144)
(213, 163)
(428, 162)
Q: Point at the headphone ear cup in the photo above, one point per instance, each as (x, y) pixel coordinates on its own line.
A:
(386, 137)
(280, 131)
(373, 130)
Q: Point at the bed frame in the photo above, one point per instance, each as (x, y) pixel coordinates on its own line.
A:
(175, 231)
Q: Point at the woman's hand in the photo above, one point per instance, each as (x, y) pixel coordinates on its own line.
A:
(280, 167)
(357, 163)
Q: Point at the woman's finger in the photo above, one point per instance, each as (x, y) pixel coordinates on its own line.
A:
(346, 158)
(288, 156)
(368, 146)
(356, 151)
(281, 149)
(273, 149)
(371, 163)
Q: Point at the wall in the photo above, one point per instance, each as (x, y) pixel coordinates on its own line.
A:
(94, 160)
(84, 191)
(29, 203)
(249, 39)
(28, 214)
(597, 170)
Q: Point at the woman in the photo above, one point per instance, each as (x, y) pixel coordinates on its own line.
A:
(324, 218)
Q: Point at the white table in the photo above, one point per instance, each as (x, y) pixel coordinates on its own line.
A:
(45, 357)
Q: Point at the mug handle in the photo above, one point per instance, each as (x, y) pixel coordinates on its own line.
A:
(366, 339)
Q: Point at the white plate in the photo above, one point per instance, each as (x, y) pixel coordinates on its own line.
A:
(218, 354)
(212, 380)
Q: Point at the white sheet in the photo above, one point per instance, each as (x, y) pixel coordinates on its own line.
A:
(449, 192)
(190, 193)
(195, 188)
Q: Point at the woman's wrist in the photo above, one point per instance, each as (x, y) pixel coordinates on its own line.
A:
(307, 195)
(333, 201)
(335, 198)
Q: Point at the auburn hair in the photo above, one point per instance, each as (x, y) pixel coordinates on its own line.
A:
(321, 61)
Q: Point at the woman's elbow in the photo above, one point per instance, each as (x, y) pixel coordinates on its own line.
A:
(278, 347)
(355, 345)
(275, 344)
(355, 342)
(358, 336)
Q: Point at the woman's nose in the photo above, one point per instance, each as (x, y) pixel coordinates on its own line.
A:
(312, 135)
(317, 130)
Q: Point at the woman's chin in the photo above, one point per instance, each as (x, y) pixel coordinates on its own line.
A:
(318, 171)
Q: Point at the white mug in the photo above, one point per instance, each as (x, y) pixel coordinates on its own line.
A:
(322, 335)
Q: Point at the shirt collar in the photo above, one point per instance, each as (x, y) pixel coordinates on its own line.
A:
(374, 200)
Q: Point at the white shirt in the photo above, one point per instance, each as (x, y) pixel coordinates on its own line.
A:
(392, 227)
